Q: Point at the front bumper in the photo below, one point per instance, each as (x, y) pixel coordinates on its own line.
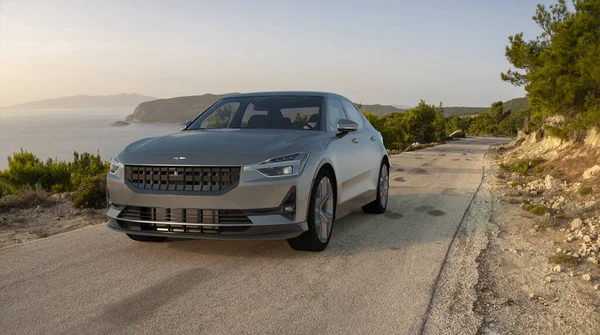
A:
(250, 210)
(270, 232)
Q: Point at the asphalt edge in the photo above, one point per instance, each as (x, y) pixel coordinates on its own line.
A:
(447, 254)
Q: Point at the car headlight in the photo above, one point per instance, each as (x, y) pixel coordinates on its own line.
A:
(288, 165)
(115, 165)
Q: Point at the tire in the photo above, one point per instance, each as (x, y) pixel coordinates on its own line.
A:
(144, 238)
(314, 239)
(379, 205)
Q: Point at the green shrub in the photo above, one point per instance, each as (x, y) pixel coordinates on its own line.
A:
(523, 166)
(584, 190)
(504, 166)
(537, 209)
(520, 167)
(5, 188)
(91, 192)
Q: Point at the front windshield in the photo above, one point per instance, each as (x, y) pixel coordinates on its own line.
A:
(262, 112)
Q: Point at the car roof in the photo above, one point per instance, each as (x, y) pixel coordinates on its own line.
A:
(285, 93)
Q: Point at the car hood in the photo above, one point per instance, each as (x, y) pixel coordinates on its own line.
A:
(225, 147)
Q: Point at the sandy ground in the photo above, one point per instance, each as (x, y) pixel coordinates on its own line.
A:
(19, 225)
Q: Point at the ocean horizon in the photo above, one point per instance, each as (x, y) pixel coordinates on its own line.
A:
(57, 133)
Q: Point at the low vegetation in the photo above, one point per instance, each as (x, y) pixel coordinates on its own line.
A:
(28, 180)
(584, 191)
(537, 209)
(522, 167)
(563, 259)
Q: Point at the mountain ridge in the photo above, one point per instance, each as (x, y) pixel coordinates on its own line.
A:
(86, 101)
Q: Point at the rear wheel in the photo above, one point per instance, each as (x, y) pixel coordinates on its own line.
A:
(144, 238)
(383, 188)
(321, 215)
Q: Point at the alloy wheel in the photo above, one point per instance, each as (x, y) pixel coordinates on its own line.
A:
(324, 209)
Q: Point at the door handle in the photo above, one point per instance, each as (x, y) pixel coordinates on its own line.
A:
(355, 140)
(373, 138)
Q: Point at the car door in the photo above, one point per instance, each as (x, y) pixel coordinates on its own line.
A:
(360, 146)
(344, 151)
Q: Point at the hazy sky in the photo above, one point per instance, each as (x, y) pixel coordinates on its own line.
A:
(388, 52)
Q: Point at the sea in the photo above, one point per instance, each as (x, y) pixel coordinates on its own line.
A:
(58, 133)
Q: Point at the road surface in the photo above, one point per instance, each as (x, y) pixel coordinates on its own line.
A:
(377, 275)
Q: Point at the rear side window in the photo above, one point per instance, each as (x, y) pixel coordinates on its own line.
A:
(335, 112)
(353, 112)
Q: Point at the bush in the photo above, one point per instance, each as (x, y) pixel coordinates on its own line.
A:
(91, 193)
(537, 209)
(5, 188)
(584, 191)
(25, 171)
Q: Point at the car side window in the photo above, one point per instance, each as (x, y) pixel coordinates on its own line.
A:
(353, 113)
(335, 112)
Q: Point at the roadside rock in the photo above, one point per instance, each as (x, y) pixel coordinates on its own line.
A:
(589, 173)
(577, 223)
(550, 182)
(557, 268)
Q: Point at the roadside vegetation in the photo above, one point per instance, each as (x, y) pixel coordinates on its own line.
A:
(29, 181)
(422, 124)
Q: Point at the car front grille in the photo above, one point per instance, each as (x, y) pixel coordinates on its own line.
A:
(182, 178)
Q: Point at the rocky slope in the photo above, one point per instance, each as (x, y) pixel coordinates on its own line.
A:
(173, 110)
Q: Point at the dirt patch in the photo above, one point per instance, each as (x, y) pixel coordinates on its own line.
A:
(18, 225)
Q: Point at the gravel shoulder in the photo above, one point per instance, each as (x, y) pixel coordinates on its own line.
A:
(498, 278)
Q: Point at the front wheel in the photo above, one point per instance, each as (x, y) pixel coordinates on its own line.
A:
(383, 188)
(321, 215)
(145, 238)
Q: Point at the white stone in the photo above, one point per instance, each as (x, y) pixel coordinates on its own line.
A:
(557, 268)
(550, 182)
(577, 223)
(589, 173)
(587, 238)
(586, 277)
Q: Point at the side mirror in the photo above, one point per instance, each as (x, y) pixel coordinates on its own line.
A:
(346, 126)
(184, 125)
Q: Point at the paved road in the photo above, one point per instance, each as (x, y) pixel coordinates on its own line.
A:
(377, 275)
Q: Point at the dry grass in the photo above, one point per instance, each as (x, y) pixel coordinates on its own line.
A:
(27, 197)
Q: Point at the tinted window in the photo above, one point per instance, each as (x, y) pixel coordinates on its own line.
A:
(262, 112)
(334, 113)
(353, 112)
(221, 117)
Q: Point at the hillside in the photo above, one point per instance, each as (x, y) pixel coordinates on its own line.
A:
(86, 101)
(381, 110)
(173, 110)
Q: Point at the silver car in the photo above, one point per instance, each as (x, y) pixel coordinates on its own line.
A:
(273, 165)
